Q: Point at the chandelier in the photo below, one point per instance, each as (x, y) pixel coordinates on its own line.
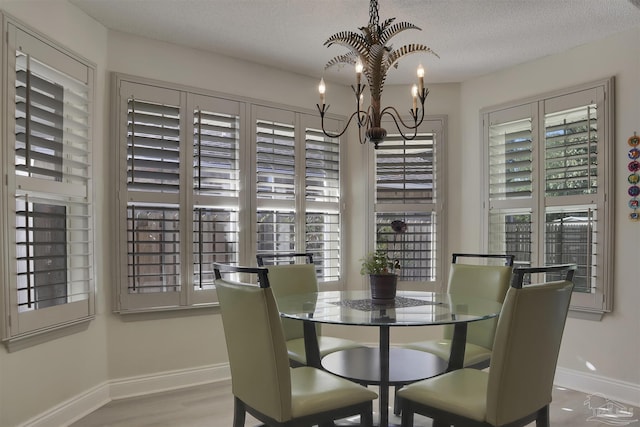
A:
(371, 56)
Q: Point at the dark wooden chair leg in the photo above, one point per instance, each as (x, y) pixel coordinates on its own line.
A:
(366, 417)
(397, 410)
(407, 414)
(239, 413)
(543, 417)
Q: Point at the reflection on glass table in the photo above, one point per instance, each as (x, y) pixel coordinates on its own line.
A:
(410, 308)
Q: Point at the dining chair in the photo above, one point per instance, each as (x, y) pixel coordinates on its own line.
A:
(517, 388)
(523, 275)
(288, 279)
(488, 281)
(263, 383)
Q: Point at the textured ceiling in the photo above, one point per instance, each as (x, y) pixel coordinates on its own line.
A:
(472, 37)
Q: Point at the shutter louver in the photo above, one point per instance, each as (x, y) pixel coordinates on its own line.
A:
(510, 160)
(153, 147)
(571, 152)
(414, 247)
(153, 249)
(322, 236)
(276, 232)
(275, 161)
(215, 239)
(51, 124)
(405, 170)
(571, 237)
(510, 232)
(215, 156)
(322, 177)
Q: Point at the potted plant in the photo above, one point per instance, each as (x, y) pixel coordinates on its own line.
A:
(382, 275)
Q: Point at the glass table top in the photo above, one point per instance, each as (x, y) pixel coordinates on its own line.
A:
(410, 308)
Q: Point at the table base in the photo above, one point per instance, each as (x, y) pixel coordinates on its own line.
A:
(362, 365)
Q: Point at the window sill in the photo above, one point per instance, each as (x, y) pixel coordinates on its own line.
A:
(21, 342)
(577, 313)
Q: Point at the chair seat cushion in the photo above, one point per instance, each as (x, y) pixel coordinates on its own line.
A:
(442, 348)
(314, 390)
(295, 347)
(463, 392)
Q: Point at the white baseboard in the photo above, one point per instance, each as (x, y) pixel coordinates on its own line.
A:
(79, 406)
(165, 381)
(620, 391)
(72, 409)
(84, 403)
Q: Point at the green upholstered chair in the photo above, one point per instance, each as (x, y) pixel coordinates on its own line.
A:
(517, 388)
(288, 279)
(263, 383)
(488, 281)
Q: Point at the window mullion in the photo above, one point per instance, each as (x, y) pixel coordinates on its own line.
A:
(300, 187)
(186, 200)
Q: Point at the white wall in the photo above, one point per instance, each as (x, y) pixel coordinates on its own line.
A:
(36, 379)
(611, 346)
(118, 349)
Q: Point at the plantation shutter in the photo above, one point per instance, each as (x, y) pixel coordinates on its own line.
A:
(407, 203)
(573, 157)
(153, 217)
(547, 164)
(322, 201)
(51, 180)
(275, 181)
(216, 184)
(511, 183)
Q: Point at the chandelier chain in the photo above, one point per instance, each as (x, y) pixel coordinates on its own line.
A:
(374, 18)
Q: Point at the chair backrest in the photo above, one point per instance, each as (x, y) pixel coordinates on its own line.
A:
(506, 259)
(552, 272)
(482, 281)
(288, 257)
(288, 279)
(256, 346)
(525, 350)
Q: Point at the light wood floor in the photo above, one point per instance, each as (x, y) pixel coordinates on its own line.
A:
(211, 405)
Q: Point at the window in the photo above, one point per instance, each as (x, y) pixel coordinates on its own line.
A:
(280, 194)
(207, 178)
(408, 201)
(549, 174)
(46, 156)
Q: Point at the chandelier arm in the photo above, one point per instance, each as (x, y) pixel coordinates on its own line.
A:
(393, 113)
(396, 117)
(322, 110)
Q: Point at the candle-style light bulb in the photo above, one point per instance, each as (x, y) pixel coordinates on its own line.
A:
(420, 77)
(414, 94)
(322, 88)
(359, 68)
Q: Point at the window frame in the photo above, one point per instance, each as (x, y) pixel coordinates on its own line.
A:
(248, 203)
(599, 301)
(19, 328)
(437, 125)
(300, 121)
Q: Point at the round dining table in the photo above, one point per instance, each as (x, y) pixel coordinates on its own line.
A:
(385, 366)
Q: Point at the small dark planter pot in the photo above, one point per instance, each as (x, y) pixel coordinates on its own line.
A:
(383, 287)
